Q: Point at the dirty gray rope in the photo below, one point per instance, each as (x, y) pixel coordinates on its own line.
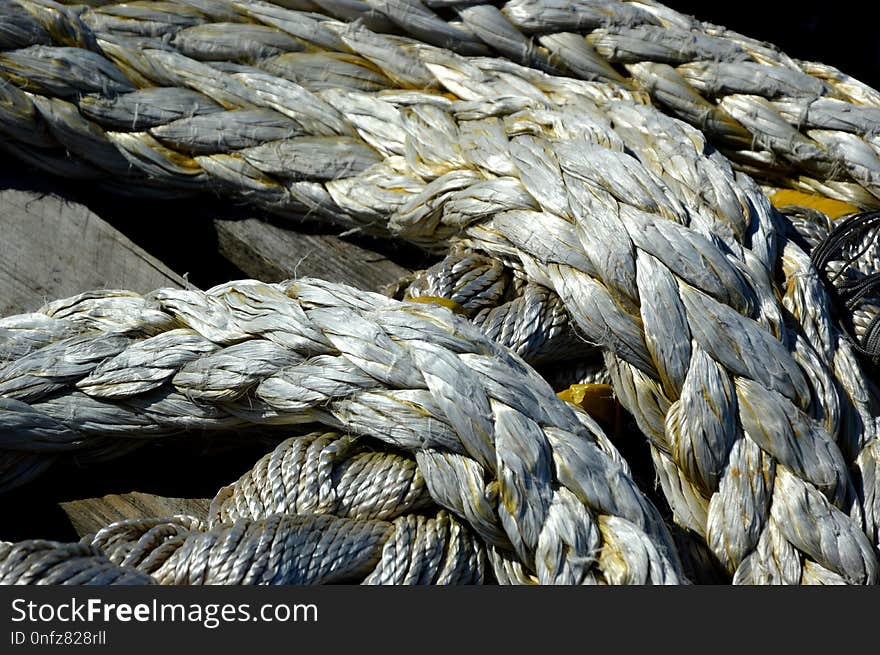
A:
(496, 447)
(757, 411)
(128, 110)
(627, 244)
(788, 122)
(785, 120)
(692, 324)
(147, 119)
(137, 107)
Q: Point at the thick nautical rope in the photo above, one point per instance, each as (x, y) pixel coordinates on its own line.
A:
(142, 117)
(659, 253)
(785, 121)
(496, 447)
(138, 108)
(604, 230)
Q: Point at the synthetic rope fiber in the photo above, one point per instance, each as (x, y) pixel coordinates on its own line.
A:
(717, 333)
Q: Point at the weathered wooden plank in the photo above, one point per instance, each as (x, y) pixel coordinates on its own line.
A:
(52, 247)
(269, 253)
(91, 514)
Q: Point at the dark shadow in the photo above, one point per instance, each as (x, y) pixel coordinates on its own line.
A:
(191, 466)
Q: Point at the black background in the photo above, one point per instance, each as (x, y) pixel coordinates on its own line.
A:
(841, 34)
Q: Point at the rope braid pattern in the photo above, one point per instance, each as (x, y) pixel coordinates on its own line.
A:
(784, 121)
(660, 253)
(146, 118)
(532, 477)
(129, 109)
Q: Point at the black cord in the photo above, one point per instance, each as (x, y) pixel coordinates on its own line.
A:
(857, 230)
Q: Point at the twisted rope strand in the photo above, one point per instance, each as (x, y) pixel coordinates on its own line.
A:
(356, 513)
(335, 539)
(525, 317)
(52, 563)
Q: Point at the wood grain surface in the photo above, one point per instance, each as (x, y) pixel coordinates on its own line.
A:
(52, 247)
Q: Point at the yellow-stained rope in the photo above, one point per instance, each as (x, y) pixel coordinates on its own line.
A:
(833, 209)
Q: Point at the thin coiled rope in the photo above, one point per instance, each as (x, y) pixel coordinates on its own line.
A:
(320, 509)
(847, 257)
(53, 563)
(526, 317)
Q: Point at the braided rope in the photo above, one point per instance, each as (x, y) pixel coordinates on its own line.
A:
(799, 123)
(495, 445)
(636, 282)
